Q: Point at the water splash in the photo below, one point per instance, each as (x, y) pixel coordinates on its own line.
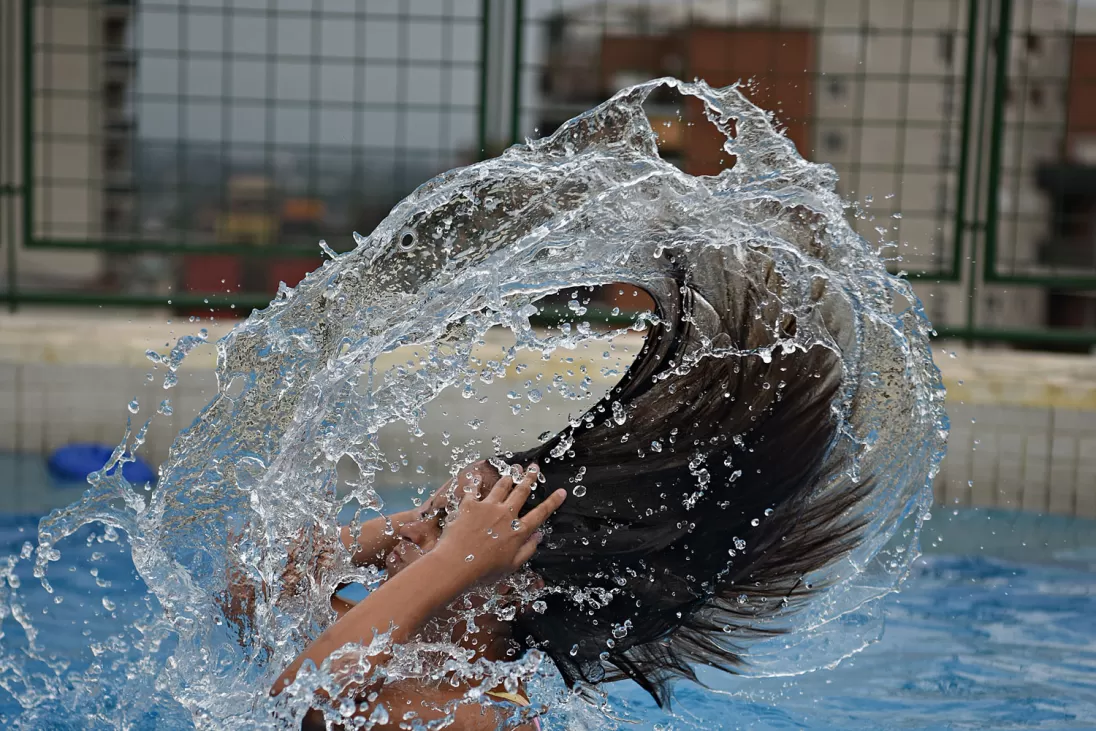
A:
(303, 388)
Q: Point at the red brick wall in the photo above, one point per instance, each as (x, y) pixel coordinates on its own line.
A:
(781, 62)
(1081, 129)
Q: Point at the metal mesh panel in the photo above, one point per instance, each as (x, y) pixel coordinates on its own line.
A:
(176, 143)
(209, 140)
(873, 88)
(1046, 139)
(1040, 206)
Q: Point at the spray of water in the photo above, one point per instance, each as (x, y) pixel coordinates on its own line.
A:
(302, 389)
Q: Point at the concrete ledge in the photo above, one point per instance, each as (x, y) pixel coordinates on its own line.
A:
(1012, 378)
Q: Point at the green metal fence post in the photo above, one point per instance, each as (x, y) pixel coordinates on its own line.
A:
(964, 142)
(9, 164)
(485, 44)
(515, 82)
(996, 138)
(978, 225)
(28, 122)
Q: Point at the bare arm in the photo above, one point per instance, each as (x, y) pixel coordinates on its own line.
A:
(400, 603)
(481, 529)
(375, 538)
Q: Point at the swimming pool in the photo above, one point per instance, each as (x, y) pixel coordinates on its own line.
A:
(996, 628)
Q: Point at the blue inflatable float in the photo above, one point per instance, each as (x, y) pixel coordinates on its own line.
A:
(74, 462)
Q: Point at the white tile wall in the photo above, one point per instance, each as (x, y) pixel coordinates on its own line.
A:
(1012, 457)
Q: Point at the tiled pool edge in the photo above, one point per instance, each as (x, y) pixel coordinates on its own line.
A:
(1023, 425)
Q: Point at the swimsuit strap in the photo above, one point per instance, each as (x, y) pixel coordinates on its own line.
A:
(518, 698)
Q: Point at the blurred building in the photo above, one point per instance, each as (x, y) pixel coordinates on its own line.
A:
(83, 129)
(250, 217)
(260, 227)
(119, 70)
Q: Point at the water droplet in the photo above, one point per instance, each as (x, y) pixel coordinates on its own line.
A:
(768, 512)
(574, 650)
(579, 491)
(108, 604)
(656, 446)
(133, 406)
(739, 543)
(539, 606)
(379, 716)
(618, 413)
(515, 524)
(755, 522)
(469, 558)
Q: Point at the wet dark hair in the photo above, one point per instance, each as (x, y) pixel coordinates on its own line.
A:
(694, 572)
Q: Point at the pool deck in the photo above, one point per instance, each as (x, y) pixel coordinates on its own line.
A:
(1023, 424)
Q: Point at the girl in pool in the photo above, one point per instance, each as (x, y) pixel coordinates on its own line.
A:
(698, 511)
(462, 542)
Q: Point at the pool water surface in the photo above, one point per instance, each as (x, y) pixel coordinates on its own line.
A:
(994, 629)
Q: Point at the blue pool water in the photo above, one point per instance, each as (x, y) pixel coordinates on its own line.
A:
(995, 629)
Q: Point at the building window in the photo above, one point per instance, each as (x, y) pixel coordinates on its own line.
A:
(833, 141)
(1035, 94)
(1033, 43)
(946, 47)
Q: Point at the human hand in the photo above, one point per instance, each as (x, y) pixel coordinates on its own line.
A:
(473, 480)
(488, 536)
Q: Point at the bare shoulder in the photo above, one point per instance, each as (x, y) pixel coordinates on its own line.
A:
(405, 702)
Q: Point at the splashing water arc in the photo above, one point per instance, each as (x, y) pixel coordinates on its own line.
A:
(763, 250)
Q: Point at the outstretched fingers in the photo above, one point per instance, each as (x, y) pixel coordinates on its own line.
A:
(523, 489)
(527, 549)
(535, 518)
(501, 489)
